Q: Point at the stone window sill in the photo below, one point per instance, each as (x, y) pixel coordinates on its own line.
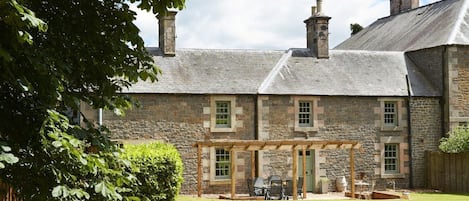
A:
(393, 176)
(306, 129)
(220, 182)
(392, 129)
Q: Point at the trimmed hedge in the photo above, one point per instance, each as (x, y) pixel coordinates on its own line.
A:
(158, 167)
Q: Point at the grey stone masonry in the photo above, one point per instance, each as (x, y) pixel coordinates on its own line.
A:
(426, 133)
(457, 85)
(180, 120)
(184, 119)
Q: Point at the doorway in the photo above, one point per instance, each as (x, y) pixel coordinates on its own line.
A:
(309, 177)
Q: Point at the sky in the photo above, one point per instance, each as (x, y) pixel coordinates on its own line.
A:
(260, 24)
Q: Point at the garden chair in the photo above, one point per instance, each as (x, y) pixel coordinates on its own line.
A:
(300, 187)
(276, 191)
(273, 177)
(250, 184)
(259, 186)
(289, 188)
(288, 191)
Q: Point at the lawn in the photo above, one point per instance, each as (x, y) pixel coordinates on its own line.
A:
(413, 197)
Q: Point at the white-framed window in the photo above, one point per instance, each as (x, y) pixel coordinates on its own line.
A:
(306, 113)
(223, 114)
(390, 114)
(222, 164)
(391, 158)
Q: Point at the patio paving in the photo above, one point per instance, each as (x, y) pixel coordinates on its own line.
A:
(310, 196)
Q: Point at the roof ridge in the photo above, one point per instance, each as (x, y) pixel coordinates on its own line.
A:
(275, 71)
(462, 13)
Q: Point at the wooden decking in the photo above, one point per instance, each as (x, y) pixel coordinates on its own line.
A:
(375, 195)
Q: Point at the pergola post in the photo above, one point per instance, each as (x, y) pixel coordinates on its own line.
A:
(253, 164)
(199, 170)
(352, 173)
(295, 172)
(233, 172)
(304, 172)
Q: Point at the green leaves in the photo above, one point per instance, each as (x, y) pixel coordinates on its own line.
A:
(28, 20)
(65, 193)
(457, 140)
(158, 167)
(56, 56)
(6, 157)
(159, 6)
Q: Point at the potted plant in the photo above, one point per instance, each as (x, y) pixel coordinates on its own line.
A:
(324, 184)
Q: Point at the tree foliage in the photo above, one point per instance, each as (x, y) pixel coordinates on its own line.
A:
(457, 140)
(53, 56)
(355, 28)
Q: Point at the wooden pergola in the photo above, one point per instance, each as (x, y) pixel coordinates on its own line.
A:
(234, 146)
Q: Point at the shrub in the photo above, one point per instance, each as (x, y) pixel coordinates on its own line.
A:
(158, 167)
(457, 140)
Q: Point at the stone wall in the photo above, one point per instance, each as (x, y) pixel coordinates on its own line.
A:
(426, 133)
(181, 121)
(343, 118)
(458, 85)
(184, 119)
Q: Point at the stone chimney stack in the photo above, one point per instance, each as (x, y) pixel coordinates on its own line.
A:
(167, 33)
(317, 32)
(399, 6)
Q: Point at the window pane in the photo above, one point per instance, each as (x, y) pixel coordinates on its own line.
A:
(223, 114)
(305, 114)
(222, 164)
(390, 114)
(391, 158)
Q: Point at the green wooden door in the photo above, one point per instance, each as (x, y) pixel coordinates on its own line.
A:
(309, 168)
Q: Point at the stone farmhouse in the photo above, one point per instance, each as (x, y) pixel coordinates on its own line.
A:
(396, 87)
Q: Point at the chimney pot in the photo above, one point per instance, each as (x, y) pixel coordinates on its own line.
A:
(319, 5)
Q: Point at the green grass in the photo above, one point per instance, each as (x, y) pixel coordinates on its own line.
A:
(413, 197)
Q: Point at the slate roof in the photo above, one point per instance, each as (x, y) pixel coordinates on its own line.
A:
(371, 63)
(199, 71)
(345, 73)
(442, 23)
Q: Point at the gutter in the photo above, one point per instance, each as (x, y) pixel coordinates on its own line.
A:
(445, 93)
(256, 131)
(409, 132)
